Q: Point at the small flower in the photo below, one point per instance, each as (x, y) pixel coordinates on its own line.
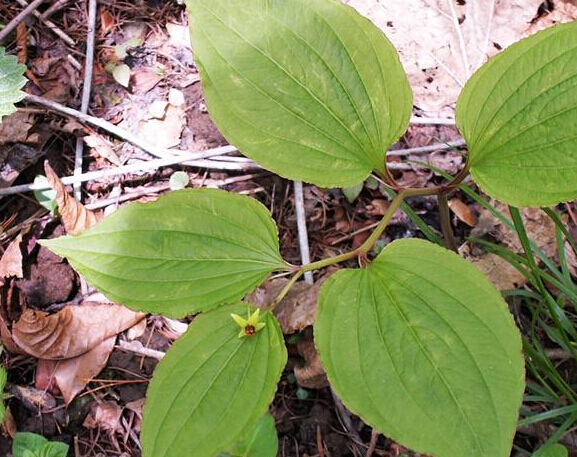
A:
(250, 325)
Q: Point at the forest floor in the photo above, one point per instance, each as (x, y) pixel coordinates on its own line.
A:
(145, 82)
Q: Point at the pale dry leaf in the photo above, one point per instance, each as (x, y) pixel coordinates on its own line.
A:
(72, 331)
(311, 375)
(165, 132)
(102, 148)
(136, 331)
(104, 415)
(178, 35)
(424, 33)
(75, 217)
(144, 81)
(11, 261)
(297, 309)
(563, 11)
(72, 375)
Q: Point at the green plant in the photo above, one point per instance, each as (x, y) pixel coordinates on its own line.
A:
(416, 342)
(32, 445)
(11, 81)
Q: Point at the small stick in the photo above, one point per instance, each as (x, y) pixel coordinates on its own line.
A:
(86, 90)
(373, 443)
(58, 5)
(428, 148)
(461, 39)
(52, 26)
(29, 9)
(302, 229)
(431, 121)
(136, 347)
(191, 159)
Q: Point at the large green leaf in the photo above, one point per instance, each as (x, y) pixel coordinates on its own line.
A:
(212, 387)
(423, 348)
(518, 114)
(262, 441)
(309, 89)
(189, 251)
(11, 81)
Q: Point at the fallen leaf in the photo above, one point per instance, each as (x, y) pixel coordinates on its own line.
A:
(16, 127)
(501, 273)
(297, 309)
(136, 331)
(144, 81)
(311, 375)
(11, 261)
(179, 35)
(102, 148)
(9, 424)
(33, 399)
(104, 415)
(165, 132)
(72, 375)
(463, 212)
(75, 217)
(121, 74)
(44, 377)
(72, 331)
(157, 109)
(425, 35)
(563, 11)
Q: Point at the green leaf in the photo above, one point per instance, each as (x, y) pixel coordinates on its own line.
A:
(309, 89)
(179, 180)
(352, 192)
(262, 441)
(212, 387)
(11, 81)
(518, 114)
(3, 379)
(46, 197)
(551, 450)
(30, 444)
(422, 347)
(121, 74)
(191, 250)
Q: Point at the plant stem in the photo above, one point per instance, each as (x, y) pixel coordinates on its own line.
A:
(445, 218)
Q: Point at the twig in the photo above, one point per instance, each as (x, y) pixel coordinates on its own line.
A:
(19, 18)
(428, 148)
(86, 90)
(136, 347)
(302, 229)
(373, 443)
(461, 39)
(191, 159)
(52, 26)
(346, 421)
(431, 121)
(57, 6)
(101, 123)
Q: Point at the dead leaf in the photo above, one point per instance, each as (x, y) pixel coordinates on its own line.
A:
(165, 132)
(297, 310)
(33, 399)
(424, 33)
(75, 217)
(72, 331)
(312, 375)
(102, 148)
(501, 273)
(104, 415)
(9, 424)
(179, 35)
(136, 331)
(563, 11)
(44, 376)
(16, 127)
(463, 212)
(11, 261)
(144, 81)
(72, 375)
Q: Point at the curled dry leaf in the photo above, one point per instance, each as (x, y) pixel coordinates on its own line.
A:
(11, 261)
(75, 217)
(463, 212)
(104, 415)
(297, 310)
(72, 331)
(102, 148)
(312, 375)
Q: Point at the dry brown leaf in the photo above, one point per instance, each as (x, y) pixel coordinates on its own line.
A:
(312, 375)
(72, 375)
(75, 217)
(104, 415)
(9, 424)
(136, 331)
(424, 33)
(501, 273)
(297, 310)
(16, 127)
(11, 261)
(463, 212)
(102, 148)
(33, 399)
(144, 81)
(72, 331)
